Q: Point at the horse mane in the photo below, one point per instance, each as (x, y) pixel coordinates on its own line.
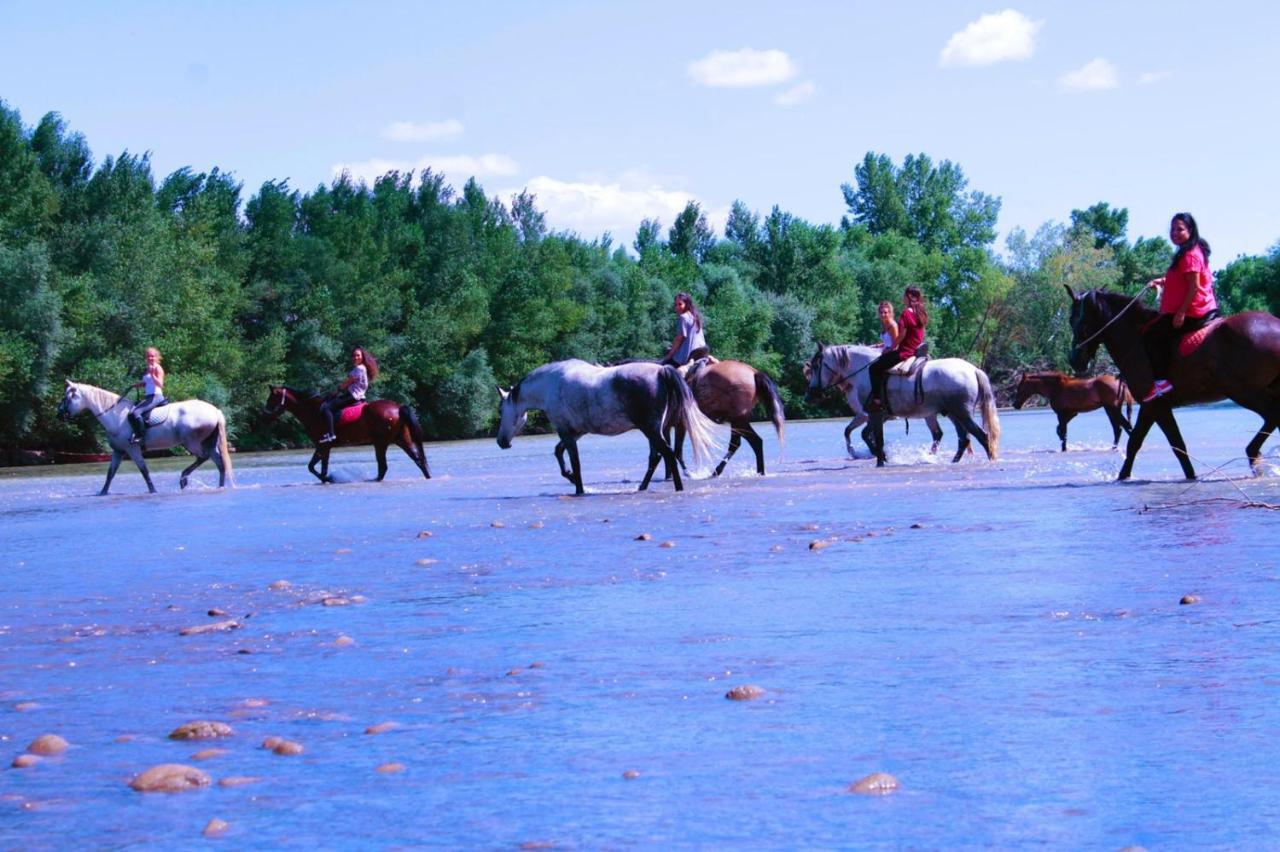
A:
(100, 396)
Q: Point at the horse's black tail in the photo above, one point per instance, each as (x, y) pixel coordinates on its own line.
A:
(410, 420)
(767, 391)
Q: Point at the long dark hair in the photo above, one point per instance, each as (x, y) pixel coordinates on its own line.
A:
(692, 308)
(1196, 240)
(915, 300)
(370, 363)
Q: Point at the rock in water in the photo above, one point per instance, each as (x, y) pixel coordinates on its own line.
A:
(201, 730)
(746, 692)
(875, 784)
(47, 745)
(170, 778)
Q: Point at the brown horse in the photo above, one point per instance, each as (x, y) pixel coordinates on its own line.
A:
(381, 422)
(1069, 397)
(1237, 358)
(727, 392)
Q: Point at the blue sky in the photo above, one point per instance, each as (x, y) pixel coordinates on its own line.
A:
(613, 111)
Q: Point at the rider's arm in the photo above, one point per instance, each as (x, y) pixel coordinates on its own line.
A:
(157, 375)
(674, 346)
(1192, 282)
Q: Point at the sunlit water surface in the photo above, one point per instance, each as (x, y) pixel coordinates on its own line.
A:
(1005, 639)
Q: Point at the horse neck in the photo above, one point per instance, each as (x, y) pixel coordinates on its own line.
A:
(103, 404)
(535, 389)
(307, 412)
(1123, 341)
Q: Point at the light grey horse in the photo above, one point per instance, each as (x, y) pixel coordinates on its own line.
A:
(193, 423)
(580, 398)
(951, 387)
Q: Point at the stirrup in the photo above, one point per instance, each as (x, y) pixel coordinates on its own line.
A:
(326, 438)
(1159, 388)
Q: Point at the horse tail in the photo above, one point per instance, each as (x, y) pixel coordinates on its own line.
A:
(767, 391)
(1127, 399)
(990, 420)
(224, 450)
(409, 418)
(682, 410)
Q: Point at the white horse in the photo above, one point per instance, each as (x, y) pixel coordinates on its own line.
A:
(951, 387)
(580, 398)
(193, 423)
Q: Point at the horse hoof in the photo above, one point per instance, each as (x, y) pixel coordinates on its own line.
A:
(182, 483)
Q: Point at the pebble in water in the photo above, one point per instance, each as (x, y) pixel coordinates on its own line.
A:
(217, 613)
(819, 544)
(215, 627)
(279, 584)
(170, 778)
(48, 744)
(201, 730)
(288, 748)
(22, 761)
(215, 828)
(667, 543)
(631, 773)
(644, 537)
(344, 641)
(336, 601)
(237, 780)
(272, 742)
(209, 753)
(25, 706)
(391, 767)
(497, 525)
(1189, 599)
(425, 534)
(875, 784)
(747, 692)
(381, 727)
(536, 525)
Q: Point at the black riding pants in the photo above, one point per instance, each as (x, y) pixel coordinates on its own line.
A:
(879, 369)
(336, 403)
(1161, 337)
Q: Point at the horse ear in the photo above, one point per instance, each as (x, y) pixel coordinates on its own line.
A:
(503, 393)
(68, 382)
(1072, 293)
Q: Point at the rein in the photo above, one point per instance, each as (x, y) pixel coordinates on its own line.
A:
(1108, 323)
(844, 378)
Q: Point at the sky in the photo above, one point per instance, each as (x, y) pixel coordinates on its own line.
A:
(611, 112)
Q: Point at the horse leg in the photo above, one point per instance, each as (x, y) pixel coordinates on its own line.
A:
(311, 465)
(757, 444)
(1064, 417)
(654, 455)
(848, 430)
(735, 441)
(974, 429)
(962, 438)
(135, 452)
(324, 464)
(1146, 419)
(934, 430)
(1117, 423)
(407, 445)
(877, 430)
(1169, 426)
(186, 471)
(116, 456)
(565, 472)
(571, 444)
(380, 452)
(1270, 410)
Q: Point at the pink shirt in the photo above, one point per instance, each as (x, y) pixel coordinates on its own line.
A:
(1175, 289)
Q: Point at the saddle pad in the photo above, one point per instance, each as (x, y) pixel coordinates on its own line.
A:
(351, 413)
(1191, 342)
(157, 415)
(903, 368)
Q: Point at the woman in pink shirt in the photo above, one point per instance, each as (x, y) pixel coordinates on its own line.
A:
(1187, 303)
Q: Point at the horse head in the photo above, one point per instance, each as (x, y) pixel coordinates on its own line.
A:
(1088, 316)
(72, 402)
(813, 373)
(1024, 390)
(512, 416)
(278, 399)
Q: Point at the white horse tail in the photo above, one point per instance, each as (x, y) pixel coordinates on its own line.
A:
(990, 420)
(772, 401)
(223, 449)
(682, 410)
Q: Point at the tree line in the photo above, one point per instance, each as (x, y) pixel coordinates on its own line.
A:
(457, 291)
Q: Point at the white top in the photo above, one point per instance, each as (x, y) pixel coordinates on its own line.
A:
(359, 381)
(886, 338)
(693, 337)
(149, 386)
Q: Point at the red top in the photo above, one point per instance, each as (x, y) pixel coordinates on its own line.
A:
(1175, 289)
(912, 333)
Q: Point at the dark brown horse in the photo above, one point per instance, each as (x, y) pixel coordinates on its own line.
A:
(728, 392)
(1069, 397)
(1237, 358)
(381, 422)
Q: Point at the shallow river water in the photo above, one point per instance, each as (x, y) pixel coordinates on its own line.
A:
(1006, 640)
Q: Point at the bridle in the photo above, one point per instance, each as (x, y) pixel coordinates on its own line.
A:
(1108, 323)
(820, 357)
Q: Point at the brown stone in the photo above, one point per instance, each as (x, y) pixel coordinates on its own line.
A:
(126, 738)
(644, 537)
(25, 706)
(497, 525)
(535, 525)
(279, 584)
(217, 613)
(747, 692)
(425, 534)
(202, 730)
(215, 627)
(344, 641)
(209, 753)
(47, 745)
(288, 748)
(536, 664)
(667, 543)
(391, 767)
(22, 761)
(875, 784)
(630, 773)
(1189, 599)
(427, 561)
(237, 781)
(819, 544)
(335, 601)
(272, 742)
(215, 828)
(381, 727)
(170, 778)
(254, 702)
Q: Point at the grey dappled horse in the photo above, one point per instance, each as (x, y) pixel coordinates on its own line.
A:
(580, 398)
(193, 423)
(951, 387)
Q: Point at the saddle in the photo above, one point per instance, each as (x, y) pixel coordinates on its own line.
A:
(351, 413)
(157, 415)
(1191, 342)
(908, 367)
(691, 370)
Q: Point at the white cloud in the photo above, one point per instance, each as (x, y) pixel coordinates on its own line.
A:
(1149, 77)
(1093, 76)
(414, 131)
(740, 68)
(619, 206)
(999, 37)
(796, 94)
(457, 167)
